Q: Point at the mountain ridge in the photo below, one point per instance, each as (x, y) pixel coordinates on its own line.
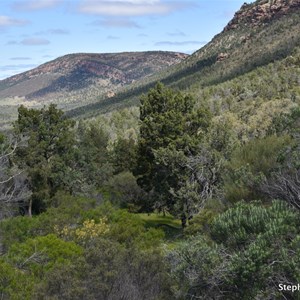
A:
(120, 68)
(259, 33)
(260, 12)
(78, 79)
(235, 51)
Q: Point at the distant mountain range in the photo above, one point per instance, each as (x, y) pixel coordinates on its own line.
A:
(260, 33)
(79, 79)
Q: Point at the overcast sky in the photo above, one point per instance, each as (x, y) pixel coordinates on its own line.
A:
(36, 31)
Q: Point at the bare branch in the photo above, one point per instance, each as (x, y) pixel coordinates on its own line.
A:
(13, 188)
(284, 185)
(5, 155)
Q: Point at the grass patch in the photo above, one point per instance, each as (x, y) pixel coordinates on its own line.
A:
(170, 225)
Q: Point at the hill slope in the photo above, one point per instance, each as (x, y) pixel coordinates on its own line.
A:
(77, 79)
(260, 33)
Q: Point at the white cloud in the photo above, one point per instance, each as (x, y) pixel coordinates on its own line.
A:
(183, 43)
(112, 37)
(56, 31)
(15, 67)
(20, 58)
(176, 33)
(12, 43)
(10, 70)
(35, 4)
(131, 7)
(116, 23)
(135, 1)
(34, 42)
(6, 21)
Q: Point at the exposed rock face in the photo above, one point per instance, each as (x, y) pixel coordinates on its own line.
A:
(221, 56)
(110, 94)
(261, 12)
(91, 74)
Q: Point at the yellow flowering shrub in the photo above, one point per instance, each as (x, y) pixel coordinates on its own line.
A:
(87, 231)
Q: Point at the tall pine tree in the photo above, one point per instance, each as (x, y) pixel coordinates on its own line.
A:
(171, 128)
(45, 152)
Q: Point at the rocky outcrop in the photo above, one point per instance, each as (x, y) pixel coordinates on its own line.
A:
(221, 56)
(261, 12)
(87, 72)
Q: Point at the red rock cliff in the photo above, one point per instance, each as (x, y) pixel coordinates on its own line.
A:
(261, 12)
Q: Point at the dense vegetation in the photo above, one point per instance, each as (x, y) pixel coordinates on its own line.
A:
(195, 194)
(183, 206)
(79, 79)
(242, 49)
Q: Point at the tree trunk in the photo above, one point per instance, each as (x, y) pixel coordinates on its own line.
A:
(183, 221)
(30, 208)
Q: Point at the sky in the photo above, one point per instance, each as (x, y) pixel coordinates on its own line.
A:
(37, 31)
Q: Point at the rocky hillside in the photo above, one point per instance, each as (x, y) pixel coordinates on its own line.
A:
(77, 79)
(259, 34)
(262, 12)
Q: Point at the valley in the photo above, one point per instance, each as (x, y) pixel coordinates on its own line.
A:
(157, 175)
(77, 80)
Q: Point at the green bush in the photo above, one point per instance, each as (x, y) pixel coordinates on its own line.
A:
(14, 284)
(108, 270)
(16, 230)
(250, 164)
(250, 251)
(129, 229)
(38, 255)
(200, 222)
(124, 192)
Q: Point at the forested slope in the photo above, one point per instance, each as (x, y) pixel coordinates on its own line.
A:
(259, 34)
(192, 195)
(78, 79)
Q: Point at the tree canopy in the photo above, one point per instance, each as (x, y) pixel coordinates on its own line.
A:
(170, 130)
